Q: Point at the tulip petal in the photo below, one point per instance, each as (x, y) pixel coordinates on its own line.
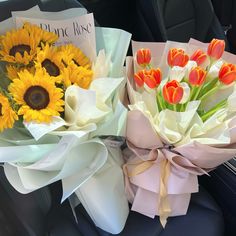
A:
(138, 80)
(172, 92)
(143, 56)
(178, 60)
(177, 95)
(177, 57)
(216, 48)
(228, 78)
(150, 82)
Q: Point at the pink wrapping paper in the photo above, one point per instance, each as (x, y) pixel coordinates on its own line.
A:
(186, 162)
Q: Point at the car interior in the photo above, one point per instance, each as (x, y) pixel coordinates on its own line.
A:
(212, 211)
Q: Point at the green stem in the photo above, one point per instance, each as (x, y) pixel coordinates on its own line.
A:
(214, 109)
(208, 86)
(182, 107)
(174, 107)
(198, 90)
(160, 102)
(208, 93)
(193, 93)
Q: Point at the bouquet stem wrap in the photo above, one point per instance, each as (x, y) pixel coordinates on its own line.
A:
(160, 178)
(91, 169)
(107, 185)
(163, 205)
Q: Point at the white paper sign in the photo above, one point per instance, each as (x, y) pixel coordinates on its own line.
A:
(79, 31)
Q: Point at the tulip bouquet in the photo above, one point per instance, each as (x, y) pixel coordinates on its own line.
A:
(181, 123)
(59, 113)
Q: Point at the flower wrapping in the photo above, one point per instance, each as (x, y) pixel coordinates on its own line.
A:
(76, 148)
(168, 148)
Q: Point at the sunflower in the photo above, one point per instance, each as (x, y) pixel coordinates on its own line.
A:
(38, 97)
(50, 59)
(12, 71)
(7, 115)
(78, 75)
(18, 46)
(43, 35)
(71, 53)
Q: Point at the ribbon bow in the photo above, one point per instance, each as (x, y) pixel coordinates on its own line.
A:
(155, 157)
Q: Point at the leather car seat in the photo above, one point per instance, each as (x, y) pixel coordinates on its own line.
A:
(33, 214)
(161, 20)
(39, 213)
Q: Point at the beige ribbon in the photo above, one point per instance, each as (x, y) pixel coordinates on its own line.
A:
(163, 202)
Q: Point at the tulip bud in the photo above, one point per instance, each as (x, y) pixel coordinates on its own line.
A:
(152, 78)
(199, 56)
(227, 73)
(172, 92)
(143, 57)
(216, 48)
(139, 78)
(177, 57)
(197, 76)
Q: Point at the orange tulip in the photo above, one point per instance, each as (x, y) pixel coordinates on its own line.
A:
(143, 57)
(216, 48)
(197, 76)
(139, 78)
(199, 56)
(173, 92)
(227, 73)
(152, 78)
(177, 57)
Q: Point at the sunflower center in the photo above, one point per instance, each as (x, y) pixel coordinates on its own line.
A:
(1, 109)
(36, 97)
(76, 63)
(21, 48)
(51, 67)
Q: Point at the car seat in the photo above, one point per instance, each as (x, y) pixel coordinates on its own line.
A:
(33, 214)
(159, 20)
(39, 213)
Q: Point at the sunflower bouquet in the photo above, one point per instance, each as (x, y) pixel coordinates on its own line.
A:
(59, 113)
(38, 74)
(181, 122)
